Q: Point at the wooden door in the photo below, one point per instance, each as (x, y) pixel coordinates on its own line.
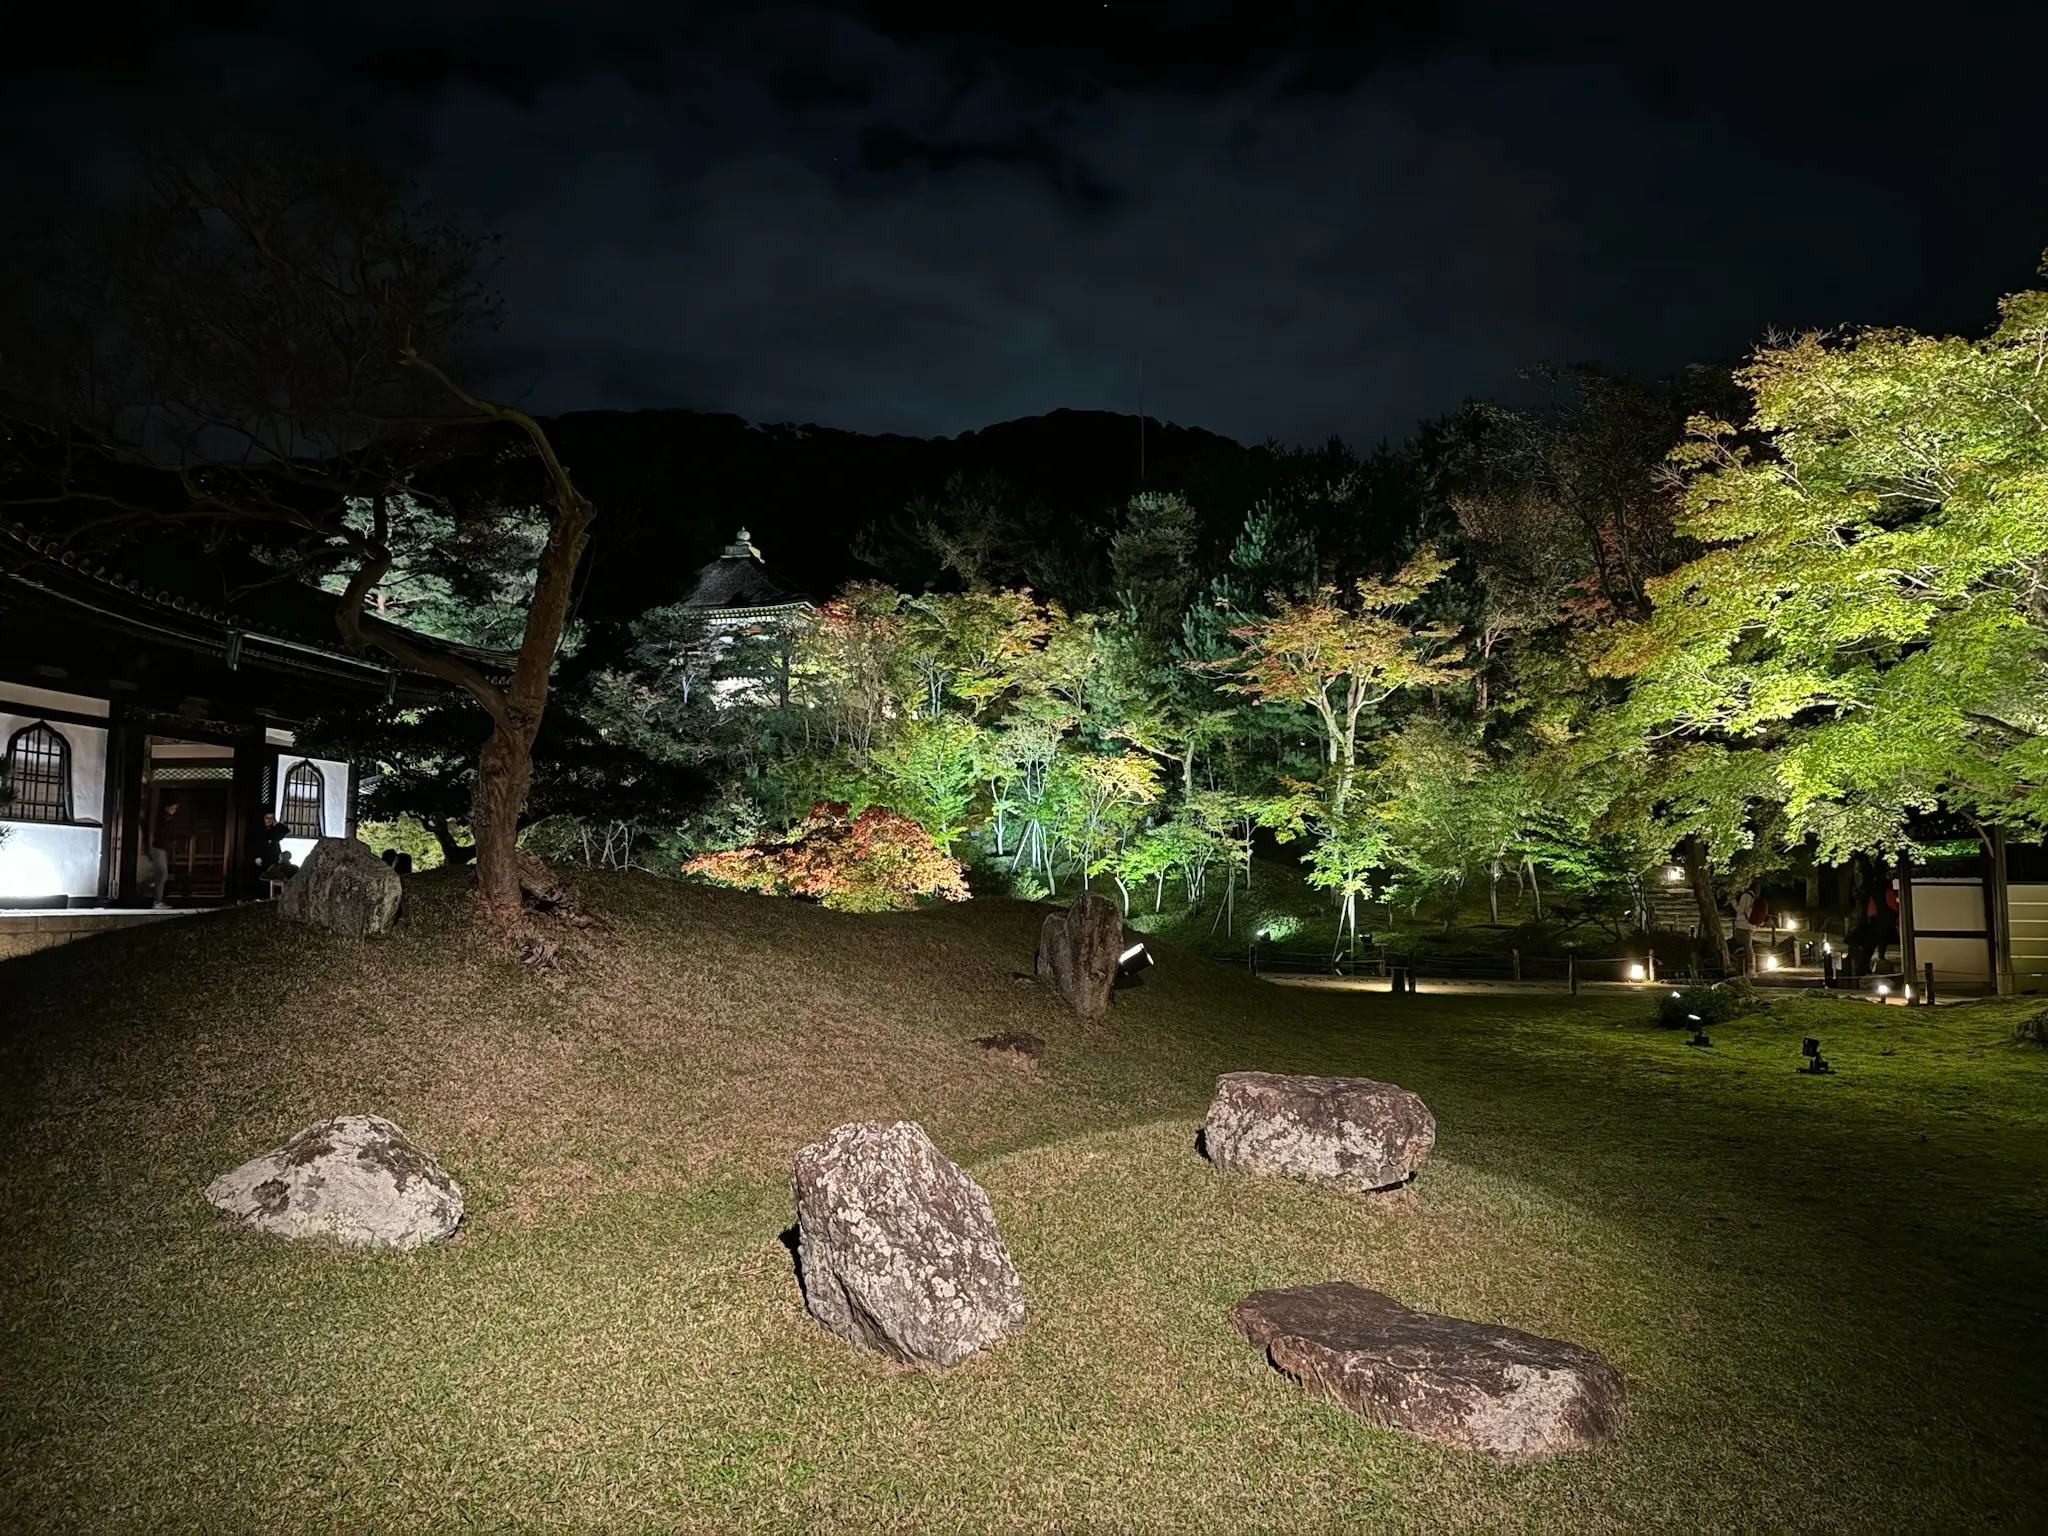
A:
(190, 823)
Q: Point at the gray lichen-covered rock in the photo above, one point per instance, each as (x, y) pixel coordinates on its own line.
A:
(1510, 1395)
(898, 1247)
(1349, 1131)
(343, 888)
(357, 1180)
(1078, 951)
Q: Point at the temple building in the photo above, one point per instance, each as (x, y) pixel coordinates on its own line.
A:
(140, 715)
(749, 618)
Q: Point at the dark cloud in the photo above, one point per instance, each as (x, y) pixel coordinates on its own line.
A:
(1304, 218)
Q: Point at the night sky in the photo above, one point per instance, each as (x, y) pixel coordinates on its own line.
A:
(1305, 219)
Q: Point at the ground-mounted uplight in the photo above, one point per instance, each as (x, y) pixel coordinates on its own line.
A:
(1699, 1030)
(1883, 990)
(1770, 962)
(1816, 1064)
(1637, 973)
(1132, 964)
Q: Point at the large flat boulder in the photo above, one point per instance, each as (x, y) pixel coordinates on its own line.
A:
(343, 888)
(898, 1247)
(357, 1180)
(1349, 1131)
(1078, 950)
(1510, 1395)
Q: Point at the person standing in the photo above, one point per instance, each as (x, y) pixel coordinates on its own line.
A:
(1747, 907)
(1885, 920)
(167, 826)
(269, 843)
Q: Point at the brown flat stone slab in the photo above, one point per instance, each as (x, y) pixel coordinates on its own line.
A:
(1507, 1394)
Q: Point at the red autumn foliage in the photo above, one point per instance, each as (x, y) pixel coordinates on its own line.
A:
(878, 861)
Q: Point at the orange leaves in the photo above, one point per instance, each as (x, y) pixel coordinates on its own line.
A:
(878, 861)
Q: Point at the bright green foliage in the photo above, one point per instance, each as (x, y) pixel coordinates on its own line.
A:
(933, 769)
(1104, 795)
(1338, 659)
(1868, 638)
(468, 580)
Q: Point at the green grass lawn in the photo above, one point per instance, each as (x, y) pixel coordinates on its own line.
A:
(1826, 1294)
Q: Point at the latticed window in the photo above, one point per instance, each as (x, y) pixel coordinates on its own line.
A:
(38, 777)
(304, 793)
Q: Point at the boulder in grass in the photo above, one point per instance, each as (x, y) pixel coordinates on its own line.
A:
(1348, 1131)
(356, 1180)
(1078, 951)
(1510, 1395)
(343, 888)
(898, 1248)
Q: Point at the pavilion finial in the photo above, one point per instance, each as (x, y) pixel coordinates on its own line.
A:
(742, 548)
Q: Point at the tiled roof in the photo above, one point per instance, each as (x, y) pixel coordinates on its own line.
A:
(738, 580)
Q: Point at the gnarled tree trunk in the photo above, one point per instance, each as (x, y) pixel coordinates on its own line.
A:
(1702, 880)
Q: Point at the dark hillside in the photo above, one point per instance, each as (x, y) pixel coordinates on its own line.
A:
(672, 486)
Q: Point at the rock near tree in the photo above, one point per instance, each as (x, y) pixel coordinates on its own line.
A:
(343, 888)
(898, 1247)
(1510, 1395)
(357, 1180)
(1349, 1131)
(1078, 951)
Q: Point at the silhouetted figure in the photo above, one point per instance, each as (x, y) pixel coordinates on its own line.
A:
(270, 836)
(402, 864)
(167, 823)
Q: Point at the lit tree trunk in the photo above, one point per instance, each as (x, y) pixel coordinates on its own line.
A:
(453, 853)
(1702, 881)
(505, 769)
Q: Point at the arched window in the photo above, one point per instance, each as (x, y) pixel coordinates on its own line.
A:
(38, 776)
(305, 792)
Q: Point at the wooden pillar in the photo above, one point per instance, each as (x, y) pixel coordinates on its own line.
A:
(127, 755)
(245, 812)
(1998, 917)
(113, 799)
(1908, 950)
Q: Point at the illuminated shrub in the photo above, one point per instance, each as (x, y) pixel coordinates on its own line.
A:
(1704, 1005)
(878, 861)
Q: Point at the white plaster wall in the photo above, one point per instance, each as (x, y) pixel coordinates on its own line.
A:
(333, 806)
(44, 859)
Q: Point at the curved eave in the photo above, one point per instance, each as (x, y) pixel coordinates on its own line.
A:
(777, 611)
